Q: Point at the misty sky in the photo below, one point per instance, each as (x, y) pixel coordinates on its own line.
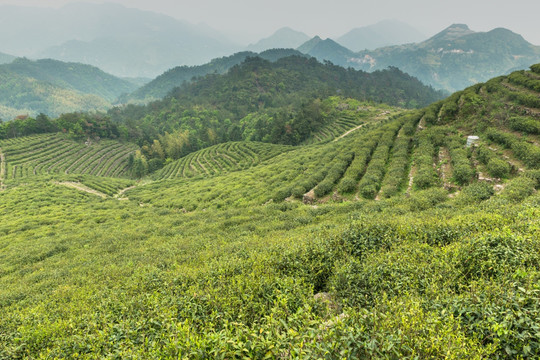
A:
(249, 20)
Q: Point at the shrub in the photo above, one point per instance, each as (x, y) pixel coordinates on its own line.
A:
(518, 189)
(498, 168)
(483, 154)
(478, 191)
(534, 175)
(298, 191)
(347, 185)
(463, 173)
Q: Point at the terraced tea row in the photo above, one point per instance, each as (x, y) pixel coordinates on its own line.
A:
(350, 121)
(220, 159)
(54, 153)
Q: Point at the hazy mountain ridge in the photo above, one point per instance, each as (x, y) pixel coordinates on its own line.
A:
(284, 38)
(456, 57)
(384, 33)
(119, 40)
(326, 49)
(453, 59)
(86, 79)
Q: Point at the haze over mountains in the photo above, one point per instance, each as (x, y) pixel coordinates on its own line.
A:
(137, 46)
(122, 41)
(453, 59)
(383, 33)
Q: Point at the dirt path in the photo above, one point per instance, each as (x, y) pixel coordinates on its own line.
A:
(348, 132)
(2, 170)
(120, 195)
(445, 168)
(81, 187)
(411, 179)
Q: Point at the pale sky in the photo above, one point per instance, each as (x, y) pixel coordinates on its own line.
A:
(249, 20)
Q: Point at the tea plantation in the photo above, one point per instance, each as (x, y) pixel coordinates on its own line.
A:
(396, 241)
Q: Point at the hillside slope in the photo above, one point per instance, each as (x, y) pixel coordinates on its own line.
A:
(85, 79)
(456, 57)
(281, 102)
(453, 59)
(53, 87)
(396, 241)
(176, 77)
(21, 95)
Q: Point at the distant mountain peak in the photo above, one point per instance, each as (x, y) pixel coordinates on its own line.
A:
(459, 26)
(384, 33)
(282, 38)
(452, 32)
(309, 45)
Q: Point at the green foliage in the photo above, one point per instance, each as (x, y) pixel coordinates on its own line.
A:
(524, 124)
(528, 153)
(425, 176)
(280, 102)
(519, 188)
(498, 168)
(58, 154)
(477, 192)
(208, 261)
(463, 172)
(53, 87)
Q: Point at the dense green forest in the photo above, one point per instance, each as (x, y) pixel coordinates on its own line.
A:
(176, 77)
(393, 239)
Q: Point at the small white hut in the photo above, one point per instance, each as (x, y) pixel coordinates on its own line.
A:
(471, 140)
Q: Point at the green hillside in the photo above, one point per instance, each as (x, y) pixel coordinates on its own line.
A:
(280, 102)
(21, 95)
(178, 76)
(56, 154)
(221, 159)
(395, 241)
(85, 79)
(53, 87)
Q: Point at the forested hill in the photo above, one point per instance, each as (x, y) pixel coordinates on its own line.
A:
(86, 79)
(270, 98)
(54, 87)
(456, 57)
(175, 77)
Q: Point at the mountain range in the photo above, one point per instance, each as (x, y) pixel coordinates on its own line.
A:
(122, 41)
(451, 60)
